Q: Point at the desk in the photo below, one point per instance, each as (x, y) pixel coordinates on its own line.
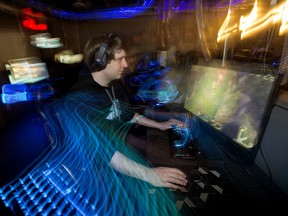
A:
(158, 151)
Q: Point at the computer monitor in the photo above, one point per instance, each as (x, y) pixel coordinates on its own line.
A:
(27, 70)
(233, 100)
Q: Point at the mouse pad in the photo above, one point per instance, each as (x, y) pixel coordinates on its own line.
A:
(207, 192)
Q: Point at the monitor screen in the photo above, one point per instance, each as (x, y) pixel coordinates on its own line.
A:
(27, 70)
(233, 100)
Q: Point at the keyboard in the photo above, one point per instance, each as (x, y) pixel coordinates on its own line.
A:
(49, 192)
(182, 144)
(183, 137)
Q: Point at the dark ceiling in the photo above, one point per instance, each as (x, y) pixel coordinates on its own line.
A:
(82, 5)
(74, 5)
(81, 9)
(98, 9)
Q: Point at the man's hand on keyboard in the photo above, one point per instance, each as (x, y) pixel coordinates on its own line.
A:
(169, 124)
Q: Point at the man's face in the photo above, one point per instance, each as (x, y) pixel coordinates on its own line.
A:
(115, 68)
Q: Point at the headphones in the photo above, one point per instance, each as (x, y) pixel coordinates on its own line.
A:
(101, 58)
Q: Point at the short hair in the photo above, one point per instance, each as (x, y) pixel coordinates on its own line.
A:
(92, 47)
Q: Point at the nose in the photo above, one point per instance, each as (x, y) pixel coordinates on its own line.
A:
(124, 63)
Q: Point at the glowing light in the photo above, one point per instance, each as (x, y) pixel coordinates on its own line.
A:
(183, 6)
(68, 57)
(118, 13)
(253, 23)
(44, 40)
(33, 20)
(13, 93)
(227, 3)
(27, 70)
(75, 178)
(245, 21)
(154, 90)
(284, 21)
(225, 30)
(215, 94)
(30, 13)
(273, 16)
(153, 84)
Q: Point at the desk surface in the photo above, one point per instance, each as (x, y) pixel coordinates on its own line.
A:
(158, 151)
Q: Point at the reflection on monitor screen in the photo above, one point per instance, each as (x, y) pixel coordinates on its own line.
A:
(233, 102)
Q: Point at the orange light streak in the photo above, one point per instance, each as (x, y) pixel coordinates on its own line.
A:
(251, 24)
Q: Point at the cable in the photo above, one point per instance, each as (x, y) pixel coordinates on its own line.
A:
(281, 107)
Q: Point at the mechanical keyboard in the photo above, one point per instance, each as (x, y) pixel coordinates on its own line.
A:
(183, 140)
(52, 192)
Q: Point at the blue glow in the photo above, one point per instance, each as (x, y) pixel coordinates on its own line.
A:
(188, 131)
(181, 6)
(75, 177)
(187, 5)
(151, 82)
(155, 90)
(184, 5)
(183, 133)
(125, 12)
(118, 13)
(13, 93)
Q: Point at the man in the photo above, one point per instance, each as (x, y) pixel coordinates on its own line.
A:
(104, 58)
(89, 126)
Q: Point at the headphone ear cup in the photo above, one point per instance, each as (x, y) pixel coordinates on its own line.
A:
(101, 57)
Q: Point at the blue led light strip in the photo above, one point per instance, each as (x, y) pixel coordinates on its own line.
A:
(118, 13)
